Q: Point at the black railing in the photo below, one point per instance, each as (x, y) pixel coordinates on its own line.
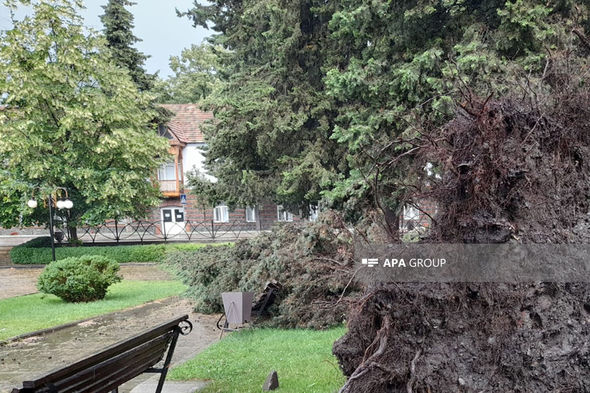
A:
(158, 231)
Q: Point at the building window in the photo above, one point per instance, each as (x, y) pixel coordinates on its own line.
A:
(411, 213)
(221, 214)
(166, 172)
(250, 214)
(313, 213)
(283, 215)
(410, 218)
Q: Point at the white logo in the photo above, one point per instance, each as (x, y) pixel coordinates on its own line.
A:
(370, 262)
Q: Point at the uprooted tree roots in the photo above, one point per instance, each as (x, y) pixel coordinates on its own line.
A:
(510, 170)
(469, 338)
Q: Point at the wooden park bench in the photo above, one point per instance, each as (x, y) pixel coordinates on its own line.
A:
(106, 370)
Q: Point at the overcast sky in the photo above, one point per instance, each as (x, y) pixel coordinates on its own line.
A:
(163, 33)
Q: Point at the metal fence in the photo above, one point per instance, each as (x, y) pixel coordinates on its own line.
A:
(158, 231)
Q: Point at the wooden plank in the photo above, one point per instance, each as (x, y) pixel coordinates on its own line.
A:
(128, 375)
(110, 382)
(139, 356)
(109, 352)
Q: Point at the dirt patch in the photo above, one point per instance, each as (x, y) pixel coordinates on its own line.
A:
(36, 355)
(144, 272)
(18, 282)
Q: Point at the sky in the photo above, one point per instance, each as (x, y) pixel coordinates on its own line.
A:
(163, 33)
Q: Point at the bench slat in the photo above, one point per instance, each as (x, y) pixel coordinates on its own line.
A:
(142, 356)
(130, 374)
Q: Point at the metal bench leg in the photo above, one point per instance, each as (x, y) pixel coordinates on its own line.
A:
(164, 370)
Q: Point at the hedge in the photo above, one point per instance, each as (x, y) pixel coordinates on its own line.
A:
(31, 252)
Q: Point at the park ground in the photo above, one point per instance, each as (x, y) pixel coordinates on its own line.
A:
(30, 356)
(238, 363)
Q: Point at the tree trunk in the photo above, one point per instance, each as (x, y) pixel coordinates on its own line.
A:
(73, 234)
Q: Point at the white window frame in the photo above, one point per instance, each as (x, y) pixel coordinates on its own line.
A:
(167, 169)
(251, 217)
(283, 215)
(221, 213)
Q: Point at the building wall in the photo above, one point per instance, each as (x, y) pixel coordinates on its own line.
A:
(193, 158)
(267, 214)
(413, 218)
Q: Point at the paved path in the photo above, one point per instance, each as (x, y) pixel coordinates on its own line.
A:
(22, 280)
(35, 355)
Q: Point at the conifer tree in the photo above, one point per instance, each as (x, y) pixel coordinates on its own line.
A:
(118, 29)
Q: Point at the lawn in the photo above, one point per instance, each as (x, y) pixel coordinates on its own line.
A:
(241, 362)
(28, 313)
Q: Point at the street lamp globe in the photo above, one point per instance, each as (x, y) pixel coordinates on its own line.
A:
(68, 204)
(60, 204)
(32, 203)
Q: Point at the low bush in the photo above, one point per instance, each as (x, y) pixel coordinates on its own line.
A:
(38, 251)
(82, 279)
(312, 262)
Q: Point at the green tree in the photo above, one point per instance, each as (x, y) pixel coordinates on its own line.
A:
(196, 75)
(118, 29)
(331, 100)
(271, 135)
(71, 118)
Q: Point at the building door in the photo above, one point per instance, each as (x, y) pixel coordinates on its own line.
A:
(173, 220)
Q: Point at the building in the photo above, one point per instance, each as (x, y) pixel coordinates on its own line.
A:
(179, 210)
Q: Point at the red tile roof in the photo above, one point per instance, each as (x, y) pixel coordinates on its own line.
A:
(187, 120)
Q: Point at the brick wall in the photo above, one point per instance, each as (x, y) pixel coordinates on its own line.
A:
(267, 214)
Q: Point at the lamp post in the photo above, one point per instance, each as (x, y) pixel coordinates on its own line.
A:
(52, 201)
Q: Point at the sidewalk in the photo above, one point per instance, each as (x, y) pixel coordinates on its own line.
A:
(15, 240)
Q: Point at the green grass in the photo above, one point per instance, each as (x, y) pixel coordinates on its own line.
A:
(28, 313)
(241, 362)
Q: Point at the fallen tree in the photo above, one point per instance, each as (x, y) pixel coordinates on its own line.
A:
(311, 263)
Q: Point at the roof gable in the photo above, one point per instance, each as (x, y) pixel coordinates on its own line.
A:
(186, 122)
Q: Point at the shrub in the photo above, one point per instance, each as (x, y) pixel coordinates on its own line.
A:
(38, 251)
(82, 279)
(23, 254)
(312, 262)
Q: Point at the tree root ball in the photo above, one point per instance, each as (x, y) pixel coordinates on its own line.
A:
(468, 338)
